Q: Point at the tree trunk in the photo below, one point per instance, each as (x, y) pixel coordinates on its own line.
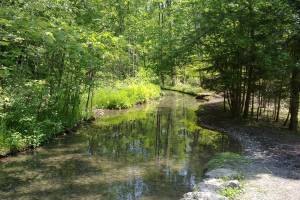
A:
(294, 101)
(252, 105)
(249, 91)
(279, 102)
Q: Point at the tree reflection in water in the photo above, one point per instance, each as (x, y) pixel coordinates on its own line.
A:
(166, 141)
(151, 152)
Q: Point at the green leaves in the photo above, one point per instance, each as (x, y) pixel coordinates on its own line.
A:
(5, 22)
(49, 37)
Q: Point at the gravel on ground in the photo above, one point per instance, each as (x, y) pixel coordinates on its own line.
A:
(274, 173)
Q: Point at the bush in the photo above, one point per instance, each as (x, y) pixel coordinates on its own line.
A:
(27, 119)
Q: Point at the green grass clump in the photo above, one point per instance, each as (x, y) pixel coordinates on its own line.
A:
(226, 159)
(230, 192)
(125, 96)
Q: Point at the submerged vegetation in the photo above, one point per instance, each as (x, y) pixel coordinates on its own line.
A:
(227, 159)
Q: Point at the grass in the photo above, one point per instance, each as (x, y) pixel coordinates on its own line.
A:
(230, 192)
(226, 159)
(125, 96)
(4, 146)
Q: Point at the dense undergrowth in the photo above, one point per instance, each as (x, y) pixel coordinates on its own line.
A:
(125, 95)
(27, 121)
(21, 127)
(27, 130)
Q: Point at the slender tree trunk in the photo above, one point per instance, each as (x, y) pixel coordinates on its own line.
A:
(249, 91)
(287, 119)
(294, 101)
(250, 81)
(174, 76)
(224, 100)
(228, 99)
(279, 102)
(200, 78)
(162, 78)
(252, 105)
(274, 108)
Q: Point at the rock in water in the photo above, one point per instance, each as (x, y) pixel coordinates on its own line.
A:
(211, 185)
(233, 184)
(221, 172)
(203, 196)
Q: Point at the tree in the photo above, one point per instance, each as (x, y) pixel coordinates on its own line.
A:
(294, 46)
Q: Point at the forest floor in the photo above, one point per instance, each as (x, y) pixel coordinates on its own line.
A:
(274, 170)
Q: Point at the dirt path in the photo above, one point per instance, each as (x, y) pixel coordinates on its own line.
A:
(274, 173)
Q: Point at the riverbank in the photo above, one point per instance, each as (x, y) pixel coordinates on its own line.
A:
(122, 96)
(184, 89)
(274, 170)
(156, 147)
(223, 179)
(66, 131)
(198, 93)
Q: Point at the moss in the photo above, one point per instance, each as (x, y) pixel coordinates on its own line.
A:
(227, 159)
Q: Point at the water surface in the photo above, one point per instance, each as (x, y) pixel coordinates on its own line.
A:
(151, 152)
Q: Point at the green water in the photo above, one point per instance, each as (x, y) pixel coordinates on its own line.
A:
(151, 152)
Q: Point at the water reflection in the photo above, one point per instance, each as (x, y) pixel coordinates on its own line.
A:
(151, 152)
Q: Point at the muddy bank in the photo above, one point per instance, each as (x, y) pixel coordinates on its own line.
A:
(274, 172)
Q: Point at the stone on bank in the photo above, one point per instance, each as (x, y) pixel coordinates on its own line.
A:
(216, 181)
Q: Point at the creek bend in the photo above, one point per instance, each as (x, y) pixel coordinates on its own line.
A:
(154, 151)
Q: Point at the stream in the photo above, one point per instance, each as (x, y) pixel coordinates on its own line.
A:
(154, 151)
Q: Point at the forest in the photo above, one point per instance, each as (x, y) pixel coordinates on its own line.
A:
(61, 59)
(65, 63)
